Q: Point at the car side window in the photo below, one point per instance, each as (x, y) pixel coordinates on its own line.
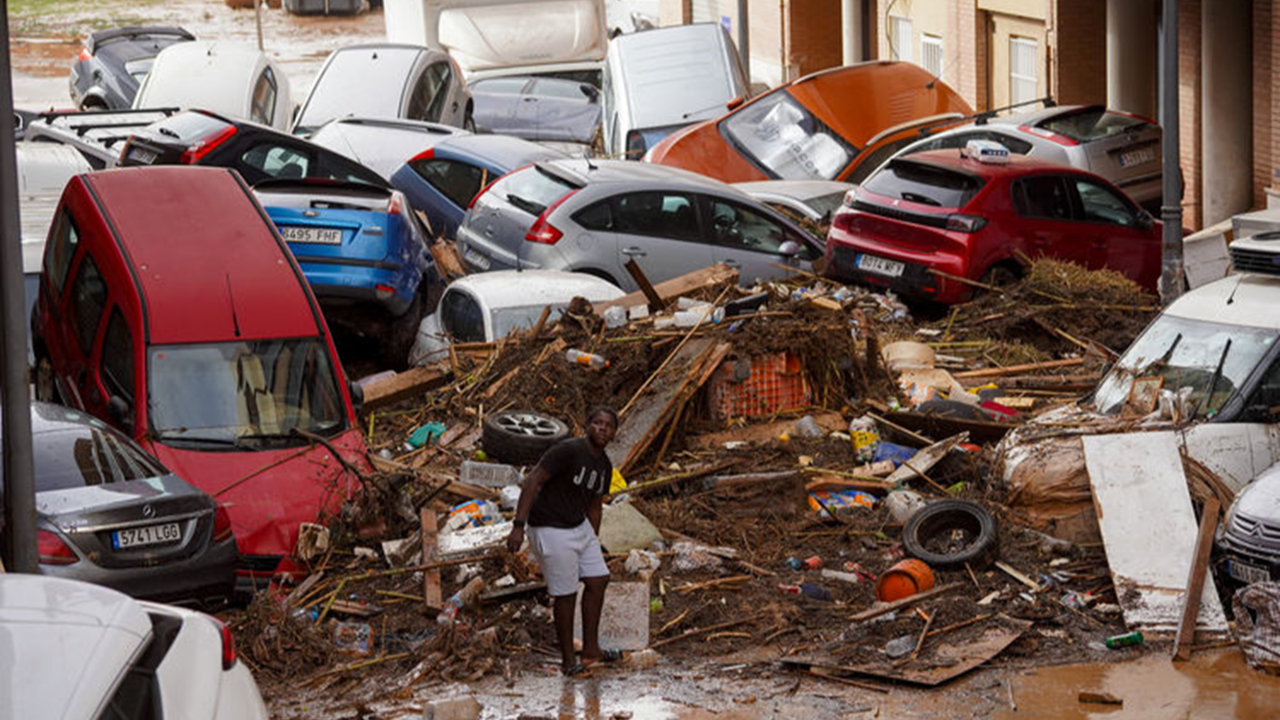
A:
(657, 214)
(65, 240)
(461, 317)
(736, 226)
(1264, 403)
(270, 161)
(88, 299)
(1043, 196)
(428, 94)
(338, 168)
(457, 181)
(117, 357)
(1100, 204)
(263, 106)
(596, 217)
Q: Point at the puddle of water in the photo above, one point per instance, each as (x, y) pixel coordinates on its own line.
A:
(1215, 685)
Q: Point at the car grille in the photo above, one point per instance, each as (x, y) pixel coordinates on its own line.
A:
(938, 221)
(1255, 533)
(1249, 260)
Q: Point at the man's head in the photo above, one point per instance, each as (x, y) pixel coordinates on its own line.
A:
(602, 425)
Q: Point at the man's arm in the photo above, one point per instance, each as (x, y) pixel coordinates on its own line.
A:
(528, 491)
(595, 509)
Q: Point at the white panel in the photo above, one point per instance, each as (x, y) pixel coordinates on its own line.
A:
(1237, 452)
(1023, 69)
(1148, 528)
(900, 30)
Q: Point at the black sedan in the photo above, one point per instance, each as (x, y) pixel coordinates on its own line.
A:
(113, 63)
(108, 513)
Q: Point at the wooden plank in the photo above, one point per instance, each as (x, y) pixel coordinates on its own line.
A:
(409, 383)
(712, 276)
(446, 257)
(1018, 369)
(879, 609)
(648, 410)
(646, 287)
(1148, 529)
(431, 592)
(1195, 582)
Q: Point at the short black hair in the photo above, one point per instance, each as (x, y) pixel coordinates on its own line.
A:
(602, 409)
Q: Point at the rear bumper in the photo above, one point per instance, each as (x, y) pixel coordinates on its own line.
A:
(915, 282)
(345, 283)
(204, 580)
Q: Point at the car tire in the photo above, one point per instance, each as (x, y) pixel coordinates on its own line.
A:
(402, 332)
(929, 526)
(1000, 275)
(520, 437)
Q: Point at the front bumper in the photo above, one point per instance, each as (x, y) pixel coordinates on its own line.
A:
(1241, 564)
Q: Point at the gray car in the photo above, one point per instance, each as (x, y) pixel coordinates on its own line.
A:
(1121, 147)
(110, 514)
(593, 216)
(813, 200)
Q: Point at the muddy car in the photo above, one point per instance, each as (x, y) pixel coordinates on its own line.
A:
(1214, 354)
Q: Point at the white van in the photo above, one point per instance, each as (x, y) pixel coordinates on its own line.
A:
(660, 80)
(488, 38)
(238, 81)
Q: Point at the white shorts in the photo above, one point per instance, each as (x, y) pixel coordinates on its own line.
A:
(567, 555)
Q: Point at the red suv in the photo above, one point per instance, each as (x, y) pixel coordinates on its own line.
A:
(170, 307)
(973, 213)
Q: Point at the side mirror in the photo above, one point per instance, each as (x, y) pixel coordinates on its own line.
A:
(790, 248)
(1145, 220)
(590, 91)
(734, 103)
(357, 396)
(121, 413)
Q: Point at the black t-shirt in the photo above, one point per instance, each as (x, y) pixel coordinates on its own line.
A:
(576, 477)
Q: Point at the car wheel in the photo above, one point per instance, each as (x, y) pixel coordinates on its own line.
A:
(520, 437)
(950, 534)
(403, 331)
(1000, 276)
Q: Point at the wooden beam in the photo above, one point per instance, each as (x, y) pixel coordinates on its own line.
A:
(431, 592)
(1195, 580)
(1018, 369)
(414, 381)
(712, 276)
(884, 608)
(646, 287)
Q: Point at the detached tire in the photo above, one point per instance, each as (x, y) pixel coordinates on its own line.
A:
(949, 534)
(519, 437)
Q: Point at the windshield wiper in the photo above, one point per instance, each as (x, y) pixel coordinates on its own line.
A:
(918, 198)
(526, 205)
(1213, 381)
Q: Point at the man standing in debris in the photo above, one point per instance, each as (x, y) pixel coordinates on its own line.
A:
(561, 502)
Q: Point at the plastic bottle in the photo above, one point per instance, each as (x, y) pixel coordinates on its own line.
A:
(459, 600)
(866, 435)
(1125, 640)
(615, 317)
(591, 360)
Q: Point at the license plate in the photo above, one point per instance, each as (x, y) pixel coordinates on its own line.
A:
(476, 259)
(1247, 573)
(1137, 157)
(316, 236)
(146, 535)
(880, 266)
(142, 155)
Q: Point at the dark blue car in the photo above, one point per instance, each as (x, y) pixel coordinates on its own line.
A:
(441, 180)
(364, 254)
(113, 63)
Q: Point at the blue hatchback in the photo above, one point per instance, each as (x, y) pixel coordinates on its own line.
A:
(364, 254)
(442, 180)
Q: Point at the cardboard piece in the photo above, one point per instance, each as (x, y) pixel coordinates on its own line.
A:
(1149, 530)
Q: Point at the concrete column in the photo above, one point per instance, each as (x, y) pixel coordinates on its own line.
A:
(851, 30)
(1131, 56)
(1226, 82)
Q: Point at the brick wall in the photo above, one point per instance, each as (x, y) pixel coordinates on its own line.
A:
(1078, 41)
(1189, 110)
(1266, 98)
(966, 52)
(815, 29)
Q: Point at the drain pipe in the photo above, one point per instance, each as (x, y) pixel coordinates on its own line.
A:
(1171, 282)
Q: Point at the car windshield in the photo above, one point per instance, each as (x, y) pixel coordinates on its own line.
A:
(924, 184)
(236, 393)
(509, 319)
(80, 456)
(1091, 125)
(1212, 359)
(784, 138)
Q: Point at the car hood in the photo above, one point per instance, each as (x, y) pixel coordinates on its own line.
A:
(268, 493)
(92, 505)
(1261, 498)
(702, 149)
(492, 34)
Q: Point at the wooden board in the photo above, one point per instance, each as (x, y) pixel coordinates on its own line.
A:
(980, 431)
(430, 552)
(1148, 528)
(1195, 582)
(669, 290)
(409, 383)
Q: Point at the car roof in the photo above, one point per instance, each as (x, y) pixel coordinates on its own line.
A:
(1016, 166)
(197, 232)
(1243, 299)
(797, 189)
(67, 643)
(1035, 117)
(589, 171)
(503, 151)
(524, 288)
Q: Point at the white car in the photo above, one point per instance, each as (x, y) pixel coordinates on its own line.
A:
(70, 650)
(486, 306)
(237, 81)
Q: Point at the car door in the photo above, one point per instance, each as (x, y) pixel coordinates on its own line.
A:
(1046, 223)
(1117, 233)
(660, 230)
(86, 303)
(750, 241)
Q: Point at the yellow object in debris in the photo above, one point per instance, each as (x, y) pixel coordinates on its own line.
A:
(617, 483)
(784, 437)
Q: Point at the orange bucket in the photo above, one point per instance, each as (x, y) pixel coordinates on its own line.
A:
(904, 579)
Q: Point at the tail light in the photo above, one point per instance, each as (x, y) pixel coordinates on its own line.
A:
(1048, 135)
(384, 292)
(204, 146)
(635, 146)
(84, 54)
(53, 551)
(850, 197)
(424, 155)
(966, 223)
(1135, 116)
(543, 231)
(395, 205)
(221, 524)
(228, 643)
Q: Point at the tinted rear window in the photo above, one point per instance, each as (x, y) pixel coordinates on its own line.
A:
(925, 184)
(189, 127)
(1092, 125)
(531, 189)
(78, 457)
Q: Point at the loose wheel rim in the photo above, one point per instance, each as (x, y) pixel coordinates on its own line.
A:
(526, 424)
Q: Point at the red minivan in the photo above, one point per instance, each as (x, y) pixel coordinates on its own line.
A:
(170, 307)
